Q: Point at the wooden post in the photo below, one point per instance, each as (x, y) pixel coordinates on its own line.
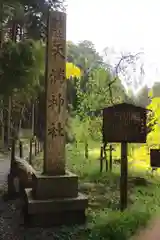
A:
(55, 90)
(105, 157)
(2, 125)
(20, 149)
(41, 146)
(30, 151)
(33, 118)
(86, 150)
(124, 177)
(101, 159)
(35, 146)
(9, 120)
(2, 100)
(110, 158)
(38, 149)
(1, 20)
(12, 155)
(11, 187)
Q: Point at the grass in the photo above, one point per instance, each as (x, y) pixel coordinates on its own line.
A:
(105, 221)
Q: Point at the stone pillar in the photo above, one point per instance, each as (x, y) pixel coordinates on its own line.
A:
(54, 150)
(54, 197)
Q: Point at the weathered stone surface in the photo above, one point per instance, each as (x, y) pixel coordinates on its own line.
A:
(54, 211)
(24, 171)
(11, 187)
(20, 164)
(55, 205)
(46, 187)
(56, 219)
(56, 101)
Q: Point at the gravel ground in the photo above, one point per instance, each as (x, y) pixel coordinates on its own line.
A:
(11, 220)
(11, 225)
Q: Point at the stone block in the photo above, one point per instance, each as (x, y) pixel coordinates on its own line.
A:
(46, 213)
(47, 187)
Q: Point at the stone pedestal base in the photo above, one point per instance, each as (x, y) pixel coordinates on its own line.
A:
(47, 187)
(54, 200)
(46, 213)
(56, 219)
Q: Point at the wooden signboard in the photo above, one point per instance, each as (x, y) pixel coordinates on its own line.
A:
(155, 158)
(124, 123)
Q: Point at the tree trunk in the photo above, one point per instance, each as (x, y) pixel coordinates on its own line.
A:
(20, 122)
(1, 42)
(14, 32)
(86, 149)
(33, 118)
(9, 120)
(1, 21)
(2, 125)
(21, 33)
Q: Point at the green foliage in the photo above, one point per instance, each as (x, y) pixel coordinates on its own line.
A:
(154, 121)
(84, 55)
(19, 66)
(88, 101)
(30, 16)
(104, 220)
(96, 94)
(120, 226)
(83, 131)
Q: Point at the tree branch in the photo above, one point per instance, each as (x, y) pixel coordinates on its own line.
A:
(129, 58)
